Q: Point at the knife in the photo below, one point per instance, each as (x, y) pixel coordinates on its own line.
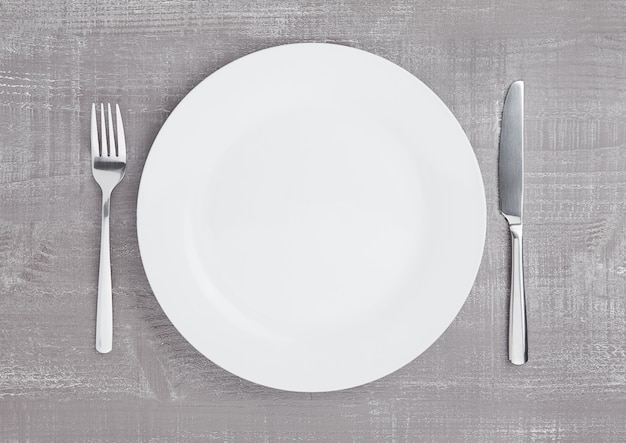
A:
(511, 182)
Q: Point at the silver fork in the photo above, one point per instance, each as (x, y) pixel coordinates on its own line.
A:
(108, 166)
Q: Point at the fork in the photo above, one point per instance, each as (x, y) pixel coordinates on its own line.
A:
(108, 165)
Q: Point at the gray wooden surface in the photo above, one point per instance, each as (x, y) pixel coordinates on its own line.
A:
(58, 57)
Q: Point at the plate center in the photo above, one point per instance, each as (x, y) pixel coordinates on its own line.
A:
(310, 217)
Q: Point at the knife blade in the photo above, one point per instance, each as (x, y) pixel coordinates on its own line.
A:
(511, 184)
(511, 161)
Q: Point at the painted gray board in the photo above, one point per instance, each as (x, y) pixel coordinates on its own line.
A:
(58, 57)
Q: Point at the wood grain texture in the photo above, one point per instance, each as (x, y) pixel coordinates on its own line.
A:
(56, 58)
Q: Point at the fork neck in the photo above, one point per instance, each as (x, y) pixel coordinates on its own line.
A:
(106, 204)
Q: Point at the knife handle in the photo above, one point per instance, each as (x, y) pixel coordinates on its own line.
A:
(518, 337)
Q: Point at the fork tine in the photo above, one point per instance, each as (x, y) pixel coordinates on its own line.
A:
(95, 147)
(121, 140)
(112, 149)
(103, 128)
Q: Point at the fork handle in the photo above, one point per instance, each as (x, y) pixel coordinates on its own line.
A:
(104, 314)
(518, 336)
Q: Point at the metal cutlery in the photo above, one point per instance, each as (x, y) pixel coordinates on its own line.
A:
(108, 164)
(511, 182)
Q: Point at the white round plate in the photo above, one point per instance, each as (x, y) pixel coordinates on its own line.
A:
(311, 217)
